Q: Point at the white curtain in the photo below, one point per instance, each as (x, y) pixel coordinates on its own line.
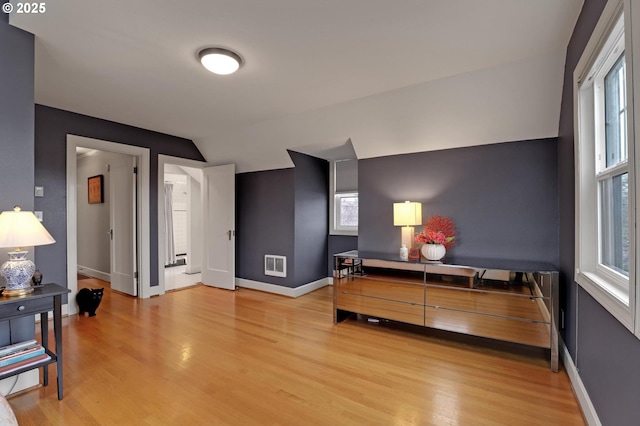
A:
(170, 250)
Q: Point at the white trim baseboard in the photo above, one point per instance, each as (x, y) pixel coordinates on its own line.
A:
(284, 291)
(94, 273)
(588, 410)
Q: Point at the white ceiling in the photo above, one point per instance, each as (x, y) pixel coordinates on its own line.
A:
(393, 76)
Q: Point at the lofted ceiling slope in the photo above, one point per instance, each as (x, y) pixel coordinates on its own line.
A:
(392, 76)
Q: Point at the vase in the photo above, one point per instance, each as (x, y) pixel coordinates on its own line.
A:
(433, 251)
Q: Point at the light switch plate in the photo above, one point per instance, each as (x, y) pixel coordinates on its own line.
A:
(39, 192)
(38, 215)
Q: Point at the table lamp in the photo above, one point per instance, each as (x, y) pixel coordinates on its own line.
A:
(20, 229)
(407, 215)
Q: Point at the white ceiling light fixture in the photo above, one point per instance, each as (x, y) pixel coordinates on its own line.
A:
(220, 61)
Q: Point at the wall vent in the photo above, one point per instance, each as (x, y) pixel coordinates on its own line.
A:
(275, 265)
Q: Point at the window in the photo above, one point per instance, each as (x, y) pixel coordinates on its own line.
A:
(612, 168)
(605, 174)
(346, 211)
(344, 188)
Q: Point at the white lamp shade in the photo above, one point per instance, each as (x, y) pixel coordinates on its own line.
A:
(22, 229)
(407, 213)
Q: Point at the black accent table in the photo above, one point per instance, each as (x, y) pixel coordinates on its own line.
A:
(45, 298)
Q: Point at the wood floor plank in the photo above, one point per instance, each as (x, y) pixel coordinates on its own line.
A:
(206, 356)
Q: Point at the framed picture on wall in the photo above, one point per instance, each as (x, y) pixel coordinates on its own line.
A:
(96, 189)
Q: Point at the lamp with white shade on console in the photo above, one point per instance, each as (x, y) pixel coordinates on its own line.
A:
(20, 229)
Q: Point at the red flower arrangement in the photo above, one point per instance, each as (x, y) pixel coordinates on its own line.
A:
(438, 230)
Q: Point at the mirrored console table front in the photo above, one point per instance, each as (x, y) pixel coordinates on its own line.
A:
(520, 305)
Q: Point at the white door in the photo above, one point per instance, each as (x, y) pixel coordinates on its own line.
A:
(218, 226)
(122, 197)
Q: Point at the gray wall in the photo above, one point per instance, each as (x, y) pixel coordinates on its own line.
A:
(52, 127)
(591, 11)
(264, 223)
(603, 350)
(502, 198)
(284, 212)
(311, 217)
(16, 117)
(16, 141)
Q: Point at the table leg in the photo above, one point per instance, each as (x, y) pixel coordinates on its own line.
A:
(57, 330)
(44, 333)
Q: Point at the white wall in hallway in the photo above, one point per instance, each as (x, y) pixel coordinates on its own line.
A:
(187, 216)
(94, 255)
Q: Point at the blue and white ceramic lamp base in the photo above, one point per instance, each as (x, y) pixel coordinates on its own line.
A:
(17, 272)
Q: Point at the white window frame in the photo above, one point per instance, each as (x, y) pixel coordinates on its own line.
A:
(613, 290)
(334, 205)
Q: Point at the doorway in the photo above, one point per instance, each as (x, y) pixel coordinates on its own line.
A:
(106, 220)
(217, 236)
(188, 176)
(183, 226)
(141, 234)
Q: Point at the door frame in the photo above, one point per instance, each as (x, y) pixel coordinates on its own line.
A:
(144, 264)
(162, 161)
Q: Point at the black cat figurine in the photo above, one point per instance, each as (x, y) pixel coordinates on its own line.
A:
(89, 300)
(37, 278)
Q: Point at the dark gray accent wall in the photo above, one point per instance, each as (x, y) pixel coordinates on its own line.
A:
(591, 11)
(16, 141)
(605, 352)
(284, 212)
(16, 117)
(264, 223)
(51, 129)
(502, 197)
(311, 217)
(607, 363)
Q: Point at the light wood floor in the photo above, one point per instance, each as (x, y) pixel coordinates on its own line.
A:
(204, 356)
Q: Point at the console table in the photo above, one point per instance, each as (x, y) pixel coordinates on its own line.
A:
(452, 296)
(45, 298)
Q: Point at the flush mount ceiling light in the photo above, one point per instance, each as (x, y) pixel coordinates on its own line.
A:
(220, 61)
